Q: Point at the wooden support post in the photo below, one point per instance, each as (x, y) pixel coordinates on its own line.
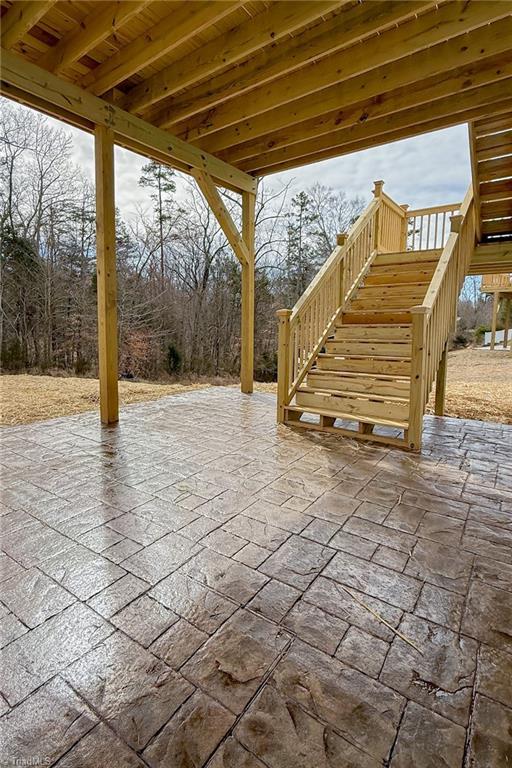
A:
(247, 309)
(377, 193)
(507, 323)
(364, 428)
(495, 304)
(404, 233)
(106, 274)
(418, 372)
(441, 383)
(243, 247)
(283, 362)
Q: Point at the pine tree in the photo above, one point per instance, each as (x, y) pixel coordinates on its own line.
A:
(159, 178)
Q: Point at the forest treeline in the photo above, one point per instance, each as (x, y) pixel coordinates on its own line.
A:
(179, 285)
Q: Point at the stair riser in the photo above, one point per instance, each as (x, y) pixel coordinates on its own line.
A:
(408, 257)
(383, 292)
(356, 407)
(385, 367)
(365, 386)
(372, 318)
(399, 303)
(411, 268)
(384, 333)
(371, 349)
(397, 278)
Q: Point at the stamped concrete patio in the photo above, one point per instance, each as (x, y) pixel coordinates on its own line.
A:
(199, 587)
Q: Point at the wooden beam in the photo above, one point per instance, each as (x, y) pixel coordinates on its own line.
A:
(20, 18)
(236, 44)
(495, 305)
(132, 131)
(93, 30)
(247, 306)
(448, 21)
(442, 109)
(508, 302)
(106, 275)
(490, 41)
(441, 383)
(359, 21)
(243, 247)
(491, 258)
(388, 137)
(223, 216)
(159, 40)
(439, 86)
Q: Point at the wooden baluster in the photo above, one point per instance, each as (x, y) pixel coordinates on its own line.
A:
(283, 363)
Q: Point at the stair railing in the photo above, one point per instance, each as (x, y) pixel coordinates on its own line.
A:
(434, 320)
(304, 329)
(429, 228)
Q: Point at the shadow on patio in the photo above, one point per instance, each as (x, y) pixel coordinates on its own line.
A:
(198, 586)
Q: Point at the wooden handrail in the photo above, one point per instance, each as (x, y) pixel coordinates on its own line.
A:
(433, 209)
(434, 320)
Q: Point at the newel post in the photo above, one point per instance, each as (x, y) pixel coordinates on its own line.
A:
(283, 362)
(455, 222)
(404, 233)
(418, 374)
(377, 193)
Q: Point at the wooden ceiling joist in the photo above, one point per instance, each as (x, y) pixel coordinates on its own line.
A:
(441, 60)
(386, 138)
(159, 40)
(441, 85)
(229, 48)
(396, 44)
(268, 85)
(20, 18)
(60, 96)
(475, 98)
(95, 28)
(321, 40)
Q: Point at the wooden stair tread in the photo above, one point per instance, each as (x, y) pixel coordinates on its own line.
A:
(340, 356)
(347, 417)
(354, 375)
(354, 395)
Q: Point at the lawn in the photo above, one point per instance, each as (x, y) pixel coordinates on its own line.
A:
(479, 387)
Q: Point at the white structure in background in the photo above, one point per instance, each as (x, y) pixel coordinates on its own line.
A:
(500, 335)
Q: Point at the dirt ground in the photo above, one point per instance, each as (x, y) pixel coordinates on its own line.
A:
(479, 387)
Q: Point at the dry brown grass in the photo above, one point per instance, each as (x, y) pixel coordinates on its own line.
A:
(479, 387)
(26, 398)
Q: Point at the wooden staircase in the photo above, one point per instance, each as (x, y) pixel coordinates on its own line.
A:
(364, 373)
(364, 365)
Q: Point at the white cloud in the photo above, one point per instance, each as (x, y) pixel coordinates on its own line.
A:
(432, 169)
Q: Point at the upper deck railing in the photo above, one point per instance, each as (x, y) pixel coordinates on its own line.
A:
(429, 228)
(496, 283)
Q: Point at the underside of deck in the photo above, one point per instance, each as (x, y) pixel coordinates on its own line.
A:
(198, 586)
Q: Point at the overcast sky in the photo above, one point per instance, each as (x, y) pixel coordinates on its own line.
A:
(425, 170)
